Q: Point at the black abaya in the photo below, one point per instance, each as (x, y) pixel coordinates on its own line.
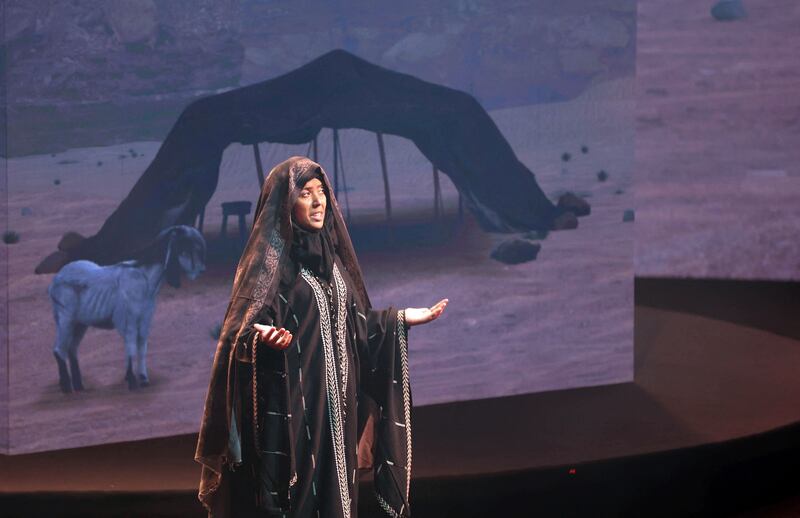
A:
(309, 396)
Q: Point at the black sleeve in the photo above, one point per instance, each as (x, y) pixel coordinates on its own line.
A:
(382, 337)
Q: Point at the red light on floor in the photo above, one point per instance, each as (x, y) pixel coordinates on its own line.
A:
(572, 471)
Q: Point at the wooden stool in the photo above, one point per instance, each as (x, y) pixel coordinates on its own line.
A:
(235, 208)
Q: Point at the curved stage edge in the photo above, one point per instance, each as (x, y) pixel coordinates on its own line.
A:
(709, 427)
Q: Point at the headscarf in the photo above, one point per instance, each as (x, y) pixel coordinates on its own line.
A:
(266, 255)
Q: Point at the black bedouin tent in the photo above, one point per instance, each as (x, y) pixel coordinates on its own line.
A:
(337, 90)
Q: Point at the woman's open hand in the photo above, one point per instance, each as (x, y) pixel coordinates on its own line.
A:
(278, 339)
(415, 316)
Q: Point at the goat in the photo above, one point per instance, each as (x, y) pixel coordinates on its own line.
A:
(121, 296)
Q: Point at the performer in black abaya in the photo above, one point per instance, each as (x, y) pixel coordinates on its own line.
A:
(309, 382)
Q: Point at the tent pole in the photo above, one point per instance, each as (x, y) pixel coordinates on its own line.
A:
(344, 178)
(201, 218)
(336, 162)
(438, 206)
(259, 167)
(387, 194)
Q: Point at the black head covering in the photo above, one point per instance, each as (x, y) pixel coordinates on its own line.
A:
(272, 248)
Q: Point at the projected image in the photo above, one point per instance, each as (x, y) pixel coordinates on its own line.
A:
(477, 154)
(717, 141)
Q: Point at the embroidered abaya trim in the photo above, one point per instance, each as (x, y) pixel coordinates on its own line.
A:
(335, 415)
(406, 387)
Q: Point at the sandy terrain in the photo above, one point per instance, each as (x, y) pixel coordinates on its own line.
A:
(718, 141)
(564, 320)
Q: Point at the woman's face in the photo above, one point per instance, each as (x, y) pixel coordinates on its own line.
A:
(309, 209)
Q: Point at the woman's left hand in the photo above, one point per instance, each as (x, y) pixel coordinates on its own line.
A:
(415, 316)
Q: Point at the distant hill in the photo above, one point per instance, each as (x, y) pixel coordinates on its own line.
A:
(99, 72)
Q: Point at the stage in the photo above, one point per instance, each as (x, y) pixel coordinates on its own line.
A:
(710, 426)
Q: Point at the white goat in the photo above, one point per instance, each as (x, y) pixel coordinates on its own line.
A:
(121, 296)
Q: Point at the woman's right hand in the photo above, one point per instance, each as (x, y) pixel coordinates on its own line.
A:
(278, 339)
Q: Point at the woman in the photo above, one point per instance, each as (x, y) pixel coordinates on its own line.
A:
(309, 383)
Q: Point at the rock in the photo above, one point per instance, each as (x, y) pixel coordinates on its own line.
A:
(728, 10)
(515, 251)
(627, 216)
(569, 202)
(26, 211)
(10, 237)
(565, 221)
(602, 175)
(566, 156)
